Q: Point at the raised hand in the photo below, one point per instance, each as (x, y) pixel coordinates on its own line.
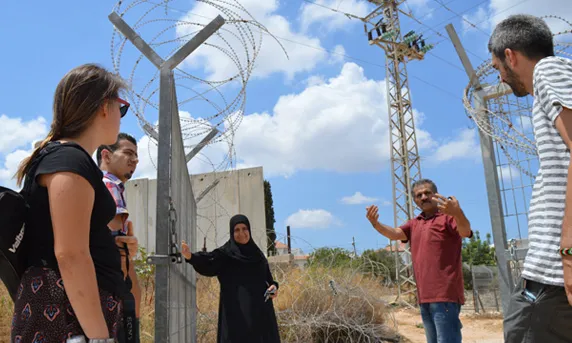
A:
(185, 250)
(372, 215)
(448, 206)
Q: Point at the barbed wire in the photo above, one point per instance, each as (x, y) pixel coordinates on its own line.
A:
(328, 295)
(504, 116)
(217, 101)
(207, 99)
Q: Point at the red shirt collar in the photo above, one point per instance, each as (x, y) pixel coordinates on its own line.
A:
(422, 215)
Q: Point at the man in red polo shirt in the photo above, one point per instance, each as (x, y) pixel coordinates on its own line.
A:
(436, 239)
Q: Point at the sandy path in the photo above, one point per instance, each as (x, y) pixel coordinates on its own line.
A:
(475, 329)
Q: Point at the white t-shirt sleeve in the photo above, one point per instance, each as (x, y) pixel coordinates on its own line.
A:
(553, 85)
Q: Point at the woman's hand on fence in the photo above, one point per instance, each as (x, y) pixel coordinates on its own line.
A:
(185, 250)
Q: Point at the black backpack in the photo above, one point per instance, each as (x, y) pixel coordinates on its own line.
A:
(13, 213)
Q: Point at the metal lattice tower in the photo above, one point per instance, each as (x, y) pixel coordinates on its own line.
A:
(383, 29)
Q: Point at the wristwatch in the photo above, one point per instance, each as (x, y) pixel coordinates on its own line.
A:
(82, 339)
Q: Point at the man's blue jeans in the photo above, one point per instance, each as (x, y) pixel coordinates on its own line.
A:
(441, 322)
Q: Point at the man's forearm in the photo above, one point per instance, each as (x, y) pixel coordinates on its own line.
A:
(390, 232)
(566, 238)
(463, 224)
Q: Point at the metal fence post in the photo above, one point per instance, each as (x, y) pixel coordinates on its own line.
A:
(175, 285)
(492, 184)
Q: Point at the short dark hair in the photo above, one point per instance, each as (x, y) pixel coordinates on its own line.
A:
(525, 33)
(120, 137)
(423, 182)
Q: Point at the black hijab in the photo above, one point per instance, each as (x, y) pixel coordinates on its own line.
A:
(247, 253)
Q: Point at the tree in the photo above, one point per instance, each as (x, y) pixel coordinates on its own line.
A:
(270, 220)
(476, 252)
(330, 257)
(380, 263)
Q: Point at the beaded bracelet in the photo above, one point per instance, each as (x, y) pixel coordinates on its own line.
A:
(566, 251)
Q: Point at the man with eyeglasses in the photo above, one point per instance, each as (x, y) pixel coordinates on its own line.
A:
(118, 163)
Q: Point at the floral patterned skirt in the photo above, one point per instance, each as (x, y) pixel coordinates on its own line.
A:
(43, 313)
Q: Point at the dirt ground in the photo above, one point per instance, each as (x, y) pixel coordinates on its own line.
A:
(476, 328)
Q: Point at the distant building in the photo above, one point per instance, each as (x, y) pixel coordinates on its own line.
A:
(281, 248)
(519, 243)
(299, 258)
(405, 259)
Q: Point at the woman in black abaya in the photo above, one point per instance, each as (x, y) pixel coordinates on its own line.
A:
(245, 316)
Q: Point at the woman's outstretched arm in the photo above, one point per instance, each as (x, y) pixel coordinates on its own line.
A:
(205, 263)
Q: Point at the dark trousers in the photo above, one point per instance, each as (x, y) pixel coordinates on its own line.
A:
(538, 313)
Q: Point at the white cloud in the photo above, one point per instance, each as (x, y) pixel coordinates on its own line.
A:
(338, 125)
(16, 138)
(464, 146)
(271, 58)
(418, 3)
(211, 158)
(312, 219)
(330, 20)
(358, 199)
(315, 80)
(10, 166)
(497, 10)
(15, 132)
(321, 13)
(480, 19)
(508, 173)
(338, 54)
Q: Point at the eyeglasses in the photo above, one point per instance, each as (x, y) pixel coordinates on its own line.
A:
(124, 107)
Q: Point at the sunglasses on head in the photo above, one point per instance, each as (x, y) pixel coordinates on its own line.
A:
(124, 107)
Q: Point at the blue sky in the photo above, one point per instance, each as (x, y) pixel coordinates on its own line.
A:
(316, 122)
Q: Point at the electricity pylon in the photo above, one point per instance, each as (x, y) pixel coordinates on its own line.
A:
(383, 29)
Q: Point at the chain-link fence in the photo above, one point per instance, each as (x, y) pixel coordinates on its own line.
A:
(482, 291)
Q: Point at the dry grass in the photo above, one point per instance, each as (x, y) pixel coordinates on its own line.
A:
(309, 308)
(332, 305)
(6, 309)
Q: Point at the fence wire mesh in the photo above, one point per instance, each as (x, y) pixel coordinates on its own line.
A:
(482, 291)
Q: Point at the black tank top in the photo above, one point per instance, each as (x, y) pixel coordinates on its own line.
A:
(70, 157)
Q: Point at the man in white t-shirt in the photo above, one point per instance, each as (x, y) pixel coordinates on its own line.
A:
(540, 309)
